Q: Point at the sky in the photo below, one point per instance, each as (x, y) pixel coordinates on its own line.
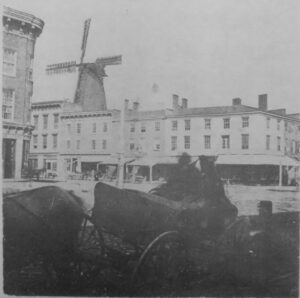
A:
(208, 51)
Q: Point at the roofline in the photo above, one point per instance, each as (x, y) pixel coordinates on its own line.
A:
(23, 17)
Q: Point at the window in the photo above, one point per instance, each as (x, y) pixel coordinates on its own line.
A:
(132, 127)
(68, 144)
(68, 163)
(143, 127)
(268, 142)
(157, 126)
(173, 143)
(131, 146)
(245, 141)
(278, 143)
(93, 144)
(225, 142)
(268, 122)
(187, 124)
(187, 142)
(245, 121)
(156, 145)
(8, 104)
(55, 121)
(78, 128)
(94, 128)
(105, 127)
(54, 141)
(78, 145)
(69, 128)
(9, 62)
(104, 144)
(54, 166)
(226, 123)
(174, 125)
(36, 121)
(45, 121)
(207, 123)
(35, 141)
(207, 142)
(278, 124)
(45, 141)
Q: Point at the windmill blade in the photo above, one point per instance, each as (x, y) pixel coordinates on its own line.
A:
(113, 60)
(86, 28)
(59, 68)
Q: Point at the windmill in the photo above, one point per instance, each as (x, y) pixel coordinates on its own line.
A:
(89, 92)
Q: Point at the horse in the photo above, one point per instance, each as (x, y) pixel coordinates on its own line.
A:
(41, 223)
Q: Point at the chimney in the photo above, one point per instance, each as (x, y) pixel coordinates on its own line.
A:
(175, 101)
(184, 103)
(126, 104)
(135, 106)
(263, 102)
(236, 101)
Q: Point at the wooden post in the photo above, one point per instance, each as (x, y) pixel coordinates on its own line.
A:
(150, 178)
(280, 174)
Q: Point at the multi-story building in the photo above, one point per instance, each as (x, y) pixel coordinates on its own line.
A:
(249, 144)
(44, 148)
(20, 31)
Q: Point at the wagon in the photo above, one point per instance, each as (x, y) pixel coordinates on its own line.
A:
(149, 239)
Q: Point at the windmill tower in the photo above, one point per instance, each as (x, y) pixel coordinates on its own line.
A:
(89, 91)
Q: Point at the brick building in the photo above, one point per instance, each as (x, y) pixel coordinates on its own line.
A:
(20, 31)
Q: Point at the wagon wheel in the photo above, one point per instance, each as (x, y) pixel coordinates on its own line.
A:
(88, 262)
(160, 268)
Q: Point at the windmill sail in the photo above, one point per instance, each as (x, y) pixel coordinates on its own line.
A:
(86, 29)
(59, 68)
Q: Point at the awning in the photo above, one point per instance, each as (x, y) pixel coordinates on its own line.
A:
(115, 161)
(93, 158)
(259, 159)
(151, 161)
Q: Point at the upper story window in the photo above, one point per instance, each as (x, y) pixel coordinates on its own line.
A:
(45, 121)
(278, 143)
(226, 122)
(278, 124)
(78, 128)
(69, 128)
(187, 142)
(225, 142)
(93, 144)
(173, 143)
(104, 144)
(245, 141)
(132, 127)
(268, 122)
(55, 121)
(157, 125)
(268, 142)
(245, 121)
(174, 125)
(54, 141)
(94, 127)
(78, 145)
(207, 123)
(105, 127)
(207, 142)
(68, 144)
(143, 127)
(131, 146)
(156, 145)
(9, 62)
(35, 141)
(187, 124)
(45, 137)
(36, 121)
(8, 103)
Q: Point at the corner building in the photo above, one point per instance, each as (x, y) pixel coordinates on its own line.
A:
(20, 31)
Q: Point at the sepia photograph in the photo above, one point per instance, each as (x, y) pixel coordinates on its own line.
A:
(150, 148)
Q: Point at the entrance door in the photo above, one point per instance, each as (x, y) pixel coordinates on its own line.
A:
(9, 157)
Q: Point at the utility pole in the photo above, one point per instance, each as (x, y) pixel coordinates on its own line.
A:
(120, 181)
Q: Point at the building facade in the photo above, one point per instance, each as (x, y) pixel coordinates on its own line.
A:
(20, 31)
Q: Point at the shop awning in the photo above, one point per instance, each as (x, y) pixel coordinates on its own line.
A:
(151, 161)
(259, 159)
(93, 158)
(114, 160)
